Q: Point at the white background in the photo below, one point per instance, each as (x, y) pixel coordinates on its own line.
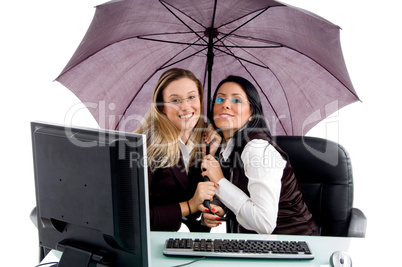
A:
(39, 37)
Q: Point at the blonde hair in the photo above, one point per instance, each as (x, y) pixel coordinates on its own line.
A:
(162, 135)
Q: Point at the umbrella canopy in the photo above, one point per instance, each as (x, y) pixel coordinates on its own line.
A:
(292, 56)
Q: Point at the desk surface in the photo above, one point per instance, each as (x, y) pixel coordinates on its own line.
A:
(322, 248)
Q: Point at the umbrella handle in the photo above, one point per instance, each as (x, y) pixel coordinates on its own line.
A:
(208, 204)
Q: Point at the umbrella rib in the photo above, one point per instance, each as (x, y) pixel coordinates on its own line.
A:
(184, 14)
(284, 46)
(175, 62)
(165, 5)
(262, 11)
(324, 68)
(246, 22)
(248, 38)
(265, 9)
(217, 45)
(243, 59)
(170, 42)
(239, 59)
(299, 52)
(257, 47)
(249, 46)
(188, 46)
(267, 98)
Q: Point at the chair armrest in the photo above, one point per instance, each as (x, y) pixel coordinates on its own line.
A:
(358, 224)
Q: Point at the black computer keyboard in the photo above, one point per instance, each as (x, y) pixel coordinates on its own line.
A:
(234, 248)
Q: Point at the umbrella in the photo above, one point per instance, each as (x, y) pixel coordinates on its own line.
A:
(293, 57)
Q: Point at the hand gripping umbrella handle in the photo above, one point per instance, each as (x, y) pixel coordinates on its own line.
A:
(207, 203)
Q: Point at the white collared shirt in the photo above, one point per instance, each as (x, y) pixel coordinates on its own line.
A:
(263, 166)
(185, 151)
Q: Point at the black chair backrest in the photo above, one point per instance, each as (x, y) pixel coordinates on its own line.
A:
(324, 172)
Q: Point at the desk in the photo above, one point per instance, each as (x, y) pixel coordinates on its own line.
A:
(322, 248)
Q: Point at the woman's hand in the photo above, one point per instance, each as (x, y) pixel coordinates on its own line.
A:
(204, 191)
(212, 138)
(212, 220)
(211, 168)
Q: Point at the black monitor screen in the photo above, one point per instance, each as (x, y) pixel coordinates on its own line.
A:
(92, 195)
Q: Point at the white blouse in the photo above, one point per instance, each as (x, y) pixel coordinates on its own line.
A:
(263, 166)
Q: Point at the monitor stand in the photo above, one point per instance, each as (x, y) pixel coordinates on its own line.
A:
(78, 257)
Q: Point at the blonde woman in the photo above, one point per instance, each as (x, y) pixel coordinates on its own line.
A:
(174, 130)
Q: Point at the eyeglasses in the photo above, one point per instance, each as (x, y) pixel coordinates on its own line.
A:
(233, 100)
(178, 101)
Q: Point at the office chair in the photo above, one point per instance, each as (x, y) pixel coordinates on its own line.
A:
(324, 172)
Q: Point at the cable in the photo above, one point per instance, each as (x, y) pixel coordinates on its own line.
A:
(188, 263)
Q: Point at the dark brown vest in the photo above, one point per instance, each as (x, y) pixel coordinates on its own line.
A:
(293, 215)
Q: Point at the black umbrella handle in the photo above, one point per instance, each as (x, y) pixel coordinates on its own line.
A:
(207, 202)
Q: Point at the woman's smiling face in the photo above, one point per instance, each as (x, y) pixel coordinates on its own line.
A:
(182, 105)
(231, 108)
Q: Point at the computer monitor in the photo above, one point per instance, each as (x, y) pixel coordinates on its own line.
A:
(91, 195)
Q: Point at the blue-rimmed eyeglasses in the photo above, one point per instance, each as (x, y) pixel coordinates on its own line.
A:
(233, 100)
(178, 101)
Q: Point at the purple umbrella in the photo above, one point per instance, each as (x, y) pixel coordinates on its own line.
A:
(292, 56)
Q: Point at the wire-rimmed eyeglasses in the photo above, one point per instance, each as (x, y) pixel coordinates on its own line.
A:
(178, 101)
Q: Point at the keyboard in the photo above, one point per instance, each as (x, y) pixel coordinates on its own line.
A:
(235, 248)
